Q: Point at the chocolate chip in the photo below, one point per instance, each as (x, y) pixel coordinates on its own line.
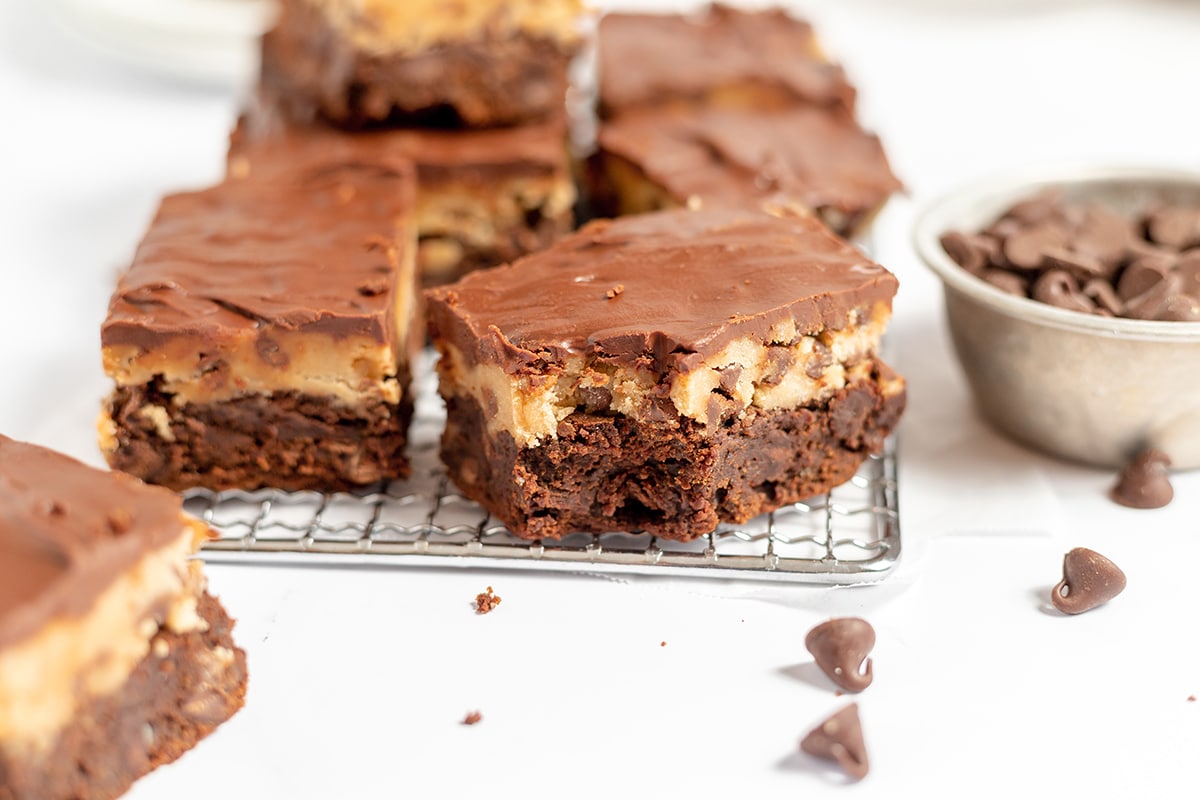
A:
(373, 288)
(1181, 308)
(1144, 482)
(1058, 288)
(1102, 294)
(1080, 265)
(1026, 249)
(1153, 302)
(1044, 205)
(840, 647)
(966, 250)
(119, 520)
(840, 739)
(1188, 270)
(1103, 235)
(1008, 282)
(1089, 580)
(269, 351)
(1139, 277)
(1175, 226)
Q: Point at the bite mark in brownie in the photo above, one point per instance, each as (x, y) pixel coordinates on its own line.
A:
(734, 373)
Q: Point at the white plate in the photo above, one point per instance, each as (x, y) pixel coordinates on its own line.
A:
(205, 41)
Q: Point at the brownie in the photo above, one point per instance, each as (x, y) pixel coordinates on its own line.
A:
(114, 659)
(264, 334)
(720, 56)
(805, 158)
(730, 107)
(473, 63)
(664, 372)
(484, 197)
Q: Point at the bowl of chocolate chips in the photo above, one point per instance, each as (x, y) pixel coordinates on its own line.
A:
(1073, 301)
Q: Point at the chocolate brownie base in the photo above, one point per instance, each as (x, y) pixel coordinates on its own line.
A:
(169, 703)
(496, 82)
(675, 480)
(286, 440)
(444, 259)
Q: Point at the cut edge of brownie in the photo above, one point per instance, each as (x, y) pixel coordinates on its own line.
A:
(285, 440)
(675, 480)
(186, 687)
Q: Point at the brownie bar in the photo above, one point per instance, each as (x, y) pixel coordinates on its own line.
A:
(264, 332)
(721, 57)
(474, 63)
(114, 659)
(664, 372)
(484, 197)
(805, 159)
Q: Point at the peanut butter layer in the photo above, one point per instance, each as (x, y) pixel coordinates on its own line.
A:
(804, 158)
(722, 56)
(696, 314)
(92, 565)
(411, 26)
(297, 282)
(484, 197)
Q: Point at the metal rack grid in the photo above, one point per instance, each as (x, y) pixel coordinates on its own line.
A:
(849, 535)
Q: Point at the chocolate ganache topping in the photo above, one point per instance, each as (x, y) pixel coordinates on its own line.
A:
(685, 56)
(818, 157)
(665, 290)
(66, 531)
(314, 251)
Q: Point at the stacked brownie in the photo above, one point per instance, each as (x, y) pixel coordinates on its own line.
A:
(731, 107)
(265, 332)
(474, 92)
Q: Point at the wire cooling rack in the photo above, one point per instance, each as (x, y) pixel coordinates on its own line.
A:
(850, 535)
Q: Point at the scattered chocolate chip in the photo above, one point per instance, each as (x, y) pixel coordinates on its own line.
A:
(472, 718)
(486, 601)
(841, 647)
(1144, 482)
(615, 291)
(840, 739)
(1089, 580)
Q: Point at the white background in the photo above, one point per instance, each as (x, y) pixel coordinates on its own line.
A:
(359, 678)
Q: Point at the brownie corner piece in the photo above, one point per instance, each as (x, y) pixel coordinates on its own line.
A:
(114, 658)
(588, 390)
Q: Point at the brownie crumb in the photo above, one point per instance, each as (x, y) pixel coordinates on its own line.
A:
(615, 291)
(472, 717)
(486, 601)
(1191, 698)
(662, 644)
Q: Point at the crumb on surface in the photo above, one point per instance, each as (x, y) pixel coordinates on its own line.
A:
(1191, 698)
(615, 291)
(472, 717)
(662, 644)
(486, 601)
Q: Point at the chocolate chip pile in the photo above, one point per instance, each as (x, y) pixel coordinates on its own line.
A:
(1090, 258)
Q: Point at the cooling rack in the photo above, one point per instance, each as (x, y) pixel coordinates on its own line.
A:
(850, 535)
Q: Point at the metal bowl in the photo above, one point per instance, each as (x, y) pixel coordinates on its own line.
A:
(1083, 387)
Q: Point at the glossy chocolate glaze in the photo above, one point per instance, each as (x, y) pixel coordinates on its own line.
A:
(266, 141)
(817, 157)
(647, 58)
(66, 531)
(663, 290)
(313, 249)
